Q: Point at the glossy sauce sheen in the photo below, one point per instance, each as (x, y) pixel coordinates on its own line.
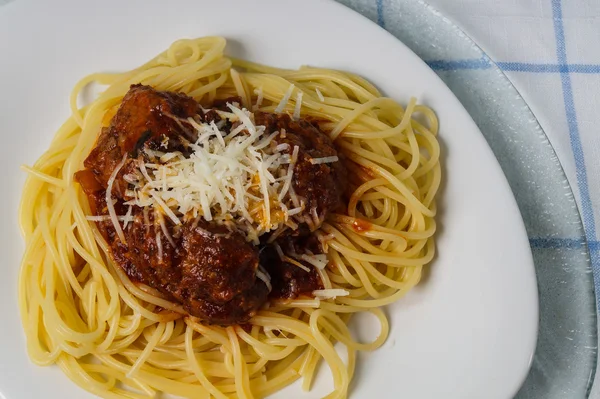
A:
(360, 225)
(210, 270)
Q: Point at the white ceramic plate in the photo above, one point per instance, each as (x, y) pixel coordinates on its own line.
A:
(467, 331)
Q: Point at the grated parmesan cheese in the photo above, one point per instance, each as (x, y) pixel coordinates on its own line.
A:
(259, 98)
(294, 211)
(331, 293)
(109, 202)
(128, 218)
(295, 263)
(298, 105)
(262, 274)
(159, 246)
(240, 178)
(279, 250)
(282, 147)
(316, 161)
(285, 99)
(320, 95)
(290, 172)
(165, 231)
(107, 218)
(319, 261)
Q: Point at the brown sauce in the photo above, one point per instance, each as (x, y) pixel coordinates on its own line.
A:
(361, 225)
(208, 269)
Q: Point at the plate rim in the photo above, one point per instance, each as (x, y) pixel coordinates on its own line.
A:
(593, 325)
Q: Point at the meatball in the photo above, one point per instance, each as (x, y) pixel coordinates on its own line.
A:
(289, 280)
(205, 267)
(320, 186)
(145, 116)
(210, 269)
(219, 274)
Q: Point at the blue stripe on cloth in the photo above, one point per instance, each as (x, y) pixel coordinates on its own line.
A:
(548, 68)
(554, 243)
(483, 63)
(442, 65)
(581, 172)
(595, 259)
(564, 69)
(380, 20)
(559, 32)
(560, 243)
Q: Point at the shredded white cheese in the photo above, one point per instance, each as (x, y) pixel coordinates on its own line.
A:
(298, 105)
(109, 202)
(279, 250)
(331, 293)
(241, 177)
(262, 274)
(285, 99)
(259, 98)
(320, 95)
(282, 147)
(165, 207)
(144, 171)
(165, 231)
(107, 218)
(316, 220)
(290, 172)
(319, 261)
(128, 218)
(294, 211)
(324, 240)
(316, 161)
(237, 176)
(159, 246)
(295, 263)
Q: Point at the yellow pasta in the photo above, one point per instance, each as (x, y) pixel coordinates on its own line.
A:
(118, 339)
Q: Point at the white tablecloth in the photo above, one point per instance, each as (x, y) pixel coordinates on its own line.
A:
(550, 50)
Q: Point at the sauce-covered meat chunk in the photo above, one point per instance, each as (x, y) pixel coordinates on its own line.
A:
(320, 186)
(208, 269)
(145, 115)
(210, 265)
(288, 279)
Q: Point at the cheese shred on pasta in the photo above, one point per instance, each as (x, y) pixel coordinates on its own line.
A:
(119, 339)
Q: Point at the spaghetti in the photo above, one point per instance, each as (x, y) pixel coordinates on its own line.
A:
(121, 339)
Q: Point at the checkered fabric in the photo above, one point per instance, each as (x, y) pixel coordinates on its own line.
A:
(550, 50)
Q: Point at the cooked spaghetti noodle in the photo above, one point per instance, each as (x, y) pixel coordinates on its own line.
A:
(120, 339)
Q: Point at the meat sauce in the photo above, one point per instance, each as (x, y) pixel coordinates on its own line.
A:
(360, 225)
(321, 185)
(290, 281)
(208, 269)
